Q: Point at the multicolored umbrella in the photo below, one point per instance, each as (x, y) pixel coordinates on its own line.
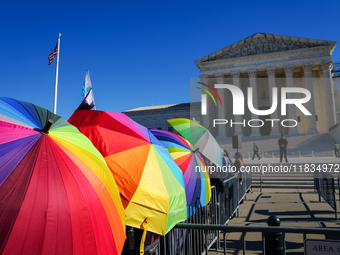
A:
(200, 137)
(57, 194)
(150, 183)
(190, 161)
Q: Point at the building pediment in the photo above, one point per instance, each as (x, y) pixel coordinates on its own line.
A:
(262, 43)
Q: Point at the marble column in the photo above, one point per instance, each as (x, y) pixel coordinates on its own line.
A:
(205, 118)
(253, 85)
(237, 118)
(307, 70)
(322, 111)
(329, 91)
(274, 116)
(289, 70)
(221, 113)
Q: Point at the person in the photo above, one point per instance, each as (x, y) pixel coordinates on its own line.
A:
(215, 177)
(217, 181)
(256, 149)
(336, 150)
(283, 147)
(227, 163)
(238, 164)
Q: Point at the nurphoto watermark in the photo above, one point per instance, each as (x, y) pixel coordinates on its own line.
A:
(275, 119)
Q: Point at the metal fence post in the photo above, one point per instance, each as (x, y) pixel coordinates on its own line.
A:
(238, 196)
(261, 180)
(335, 207)
(263, 244)
(274, 241)
(225, 243)
(244, 242)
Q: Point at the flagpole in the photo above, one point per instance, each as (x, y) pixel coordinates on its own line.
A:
(94, 101)
(56, 78)
(92, 91)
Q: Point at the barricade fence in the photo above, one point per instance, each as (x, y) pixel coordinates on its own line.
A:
(204, 225)
(330, 233)
(324, 185)
(222, 207)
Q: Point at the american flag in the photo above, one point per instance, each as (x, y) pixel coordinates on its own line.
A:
(52, 55)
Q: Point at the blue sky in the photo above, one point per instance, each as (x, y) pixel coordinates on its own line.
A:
(139, 53)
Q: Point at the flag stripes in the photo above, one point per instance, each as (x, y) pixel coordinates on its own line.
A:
(53, 54)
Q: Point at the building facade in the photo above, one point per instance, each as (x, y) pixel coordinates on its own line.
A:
(155, 117)
(263, 62)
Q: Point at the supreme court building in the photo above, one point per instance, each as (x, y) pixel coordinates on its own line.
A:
(262, 62)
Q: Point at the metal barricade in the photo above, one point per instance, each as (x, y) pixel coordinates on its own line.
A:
(221, 208)
(324, 185)
(228, 200)
(262, 229)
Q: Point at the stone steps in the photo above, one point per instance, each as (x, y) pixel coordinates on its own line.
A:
(284, 180)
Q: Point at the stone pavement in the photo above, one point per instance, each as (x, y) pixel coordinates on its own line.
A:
(294, 207)
(298, 172)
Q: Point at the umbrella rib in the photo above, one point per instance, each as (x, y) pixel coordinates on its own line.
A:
(148, 207)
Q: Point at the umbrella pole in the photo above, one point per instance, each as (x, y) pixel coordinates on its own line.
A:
(56, 78)
(47, 127)
(144, 227)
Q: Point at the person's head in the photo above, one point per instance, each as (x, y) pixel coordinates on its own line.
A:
(254, 143)
(225, 153)
(282, 135)
(238, 155)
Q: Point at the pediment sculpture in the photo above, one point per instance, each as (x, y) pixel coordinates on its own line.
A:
(262, 46)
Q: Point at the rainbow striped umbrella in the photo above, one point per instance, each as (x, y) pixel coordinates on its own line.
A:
(150, 183)
(200, 137)
(57, 194)
(190, 161)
